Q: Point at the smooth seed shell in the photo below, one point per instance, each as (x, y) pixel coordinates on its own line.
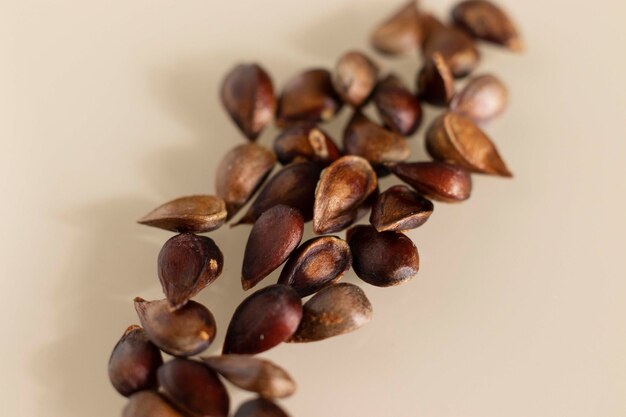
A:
(437, 180)
(457, 49)
(355, 77)
(149, 404)
(305, 141)
(260, 407)
(399, 109)
(196, 213)
(435, 83)
(400, 208)
(482, 99)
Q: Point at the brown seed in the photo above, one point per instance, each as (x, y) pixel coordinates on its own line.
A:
(455, 138)
(309, 97)
(265, 319)
(149, 404)
(342, 189)
(241, 172)
(382, 259)
(260, 407)
(335, 310)
(484, 20)
(435, 83)
(248, 96)
(305, 141)
(318, 262)
(187, 264)
(436, 180)
(400, 208)
(184, 332)
(134, 362)
(482, 99)
(456, 48)
(355, 78)
(194, 388)
(196, 213)
(253, 374)
(399, 109)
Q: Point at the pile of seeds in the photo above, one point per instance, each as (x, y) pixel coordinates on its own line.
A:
(332, 186)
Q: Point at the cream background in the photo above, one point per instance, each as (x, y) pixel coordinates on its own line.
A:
(110, 108)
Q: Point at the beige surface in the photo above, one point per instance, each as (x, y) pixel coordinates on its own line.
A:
(109, 108)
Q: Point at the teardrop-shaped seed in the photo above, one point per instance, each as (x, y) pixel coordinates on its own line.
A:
(260, 407)
(484, 20)
(342, 188)
(134, 362)
(241, 172)
(187, 264)
(399, 109)
(149, 404)
(355, 78)
(184, 332)
(435, 83)
(253, 374)
(456, 48)
(308, 97)
(455, 138)
(248, 95)
(482, 99)
(382, 259)
(317, 263)
(400, 208)
(196, 213)
(305, 141)
(363, 137)
(265, 319)
(335, 310)
(436, 180)
(194, 388)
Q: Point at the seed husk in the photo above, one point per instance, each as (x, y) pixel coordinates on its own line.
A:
(241, 172)
(400, 208)
(194, 388)
(398, 108)
(482, 99)
(183, 332)
(317, 263)
(435, 83)
(260, 407)
(382, 259)
(274, 236)
(335, 310)
(305, 141)
(134, 362)
(457, 49)
(455, 138)
(187, 264)
(196, 213)
(247, 94)
(343, 187)
(253, 374)
(265, 319)
(355, 77)
(484, 20)
(149, 404)
(436, 180)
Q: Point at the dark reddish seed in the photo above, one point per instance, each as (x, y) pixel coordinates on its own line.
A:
(437, 180)
(400, 208)
(457, 49)
(399, 109)
(196, 213)
(435, 83)
(260, 407)
(305, 141)
(149, 404)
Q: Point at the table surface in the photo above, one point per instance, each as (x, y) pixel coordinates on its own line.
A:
(111, 108)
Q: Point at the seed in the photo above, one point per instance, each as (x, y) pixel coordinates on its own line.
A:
(253, 374)
(196, 213)
(399, 209)
(436, 180)
(335, 310)
(342, 189)
(456, 48)
(482, 99)
(355, 78)
(382, 259)
(241, 172)
(484, 20)
(260, 407)
(455, 138)
(305, 141)
(194, 388)
(435, 83)
(187, 264)
(317, 263)
(274, 236)
(248, 95)
(265, 319)
(308, 97)
(184, 332)
(149, 404)
(399, 109)
(134, 362)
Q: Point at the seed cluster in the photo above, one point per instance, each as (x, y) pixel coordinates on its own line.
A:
(332, 186)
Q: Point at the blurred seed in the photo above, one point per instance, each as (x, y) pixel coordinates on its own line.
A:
(247, 94)
(134, 362)
(355, 78)
(437, 180)
(260, 407)
(305, 141)
(399, 109)
(400, 208)
(455, 138)
(482, 99)
(187, 264)
(457, 49)
(253, 374)
(343, 187)
(196, 213)
(382, 259)
(435, 83)
(149, 404)
(265, 319)
(317, 263)
(184, 332)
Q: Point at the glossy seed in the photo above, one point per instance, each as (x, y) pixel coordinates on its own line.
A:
(260, 407)
(184, 332)
(187, 264)
(265, 319)
(134, 362)
(455, 138)
(343, 188)
(149, 404)
(194, 388)
(436, 180)
(247, 94)
(355, 77)
(305, 141)
(382, 259)
(457, 49)
(400, 208)
(482, 99)
(435, 83)
(317, 263)
(398, 108)
(253, 374)
(196, 213)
